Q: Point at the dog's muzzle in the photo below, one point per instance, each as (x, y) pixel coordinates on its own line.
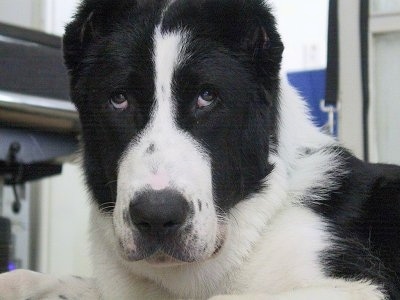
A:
(161, 224)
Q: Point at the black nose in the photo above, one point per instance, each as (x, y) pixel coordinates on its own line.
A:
(159, 213)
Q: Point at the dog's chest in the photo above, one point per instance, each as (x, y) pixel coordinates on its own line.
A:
(287, 256)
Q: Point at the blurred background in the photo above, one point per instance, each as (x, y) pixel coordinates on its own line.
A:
(44, 206)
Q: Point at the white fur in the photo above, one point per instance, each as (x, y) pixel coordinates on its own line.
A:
(272, 240)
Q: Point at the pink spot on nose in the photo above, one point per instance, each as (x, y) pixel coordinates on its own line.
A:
(159, 181)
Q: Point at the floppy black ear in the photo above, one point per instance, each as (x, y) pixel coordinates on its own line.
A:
(77, 35)
(261, 40)
(250, 26)
(265, 50)
(91, 21)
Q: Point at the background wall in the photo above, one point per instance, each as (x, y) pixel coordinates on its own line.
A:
(25, 13)
(57, 13)
(63, 224)
(384, 141)
(304, 27)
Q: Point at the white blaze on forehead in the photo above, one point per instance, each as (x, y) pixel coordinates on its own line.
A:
(164, 156)
(168, 54)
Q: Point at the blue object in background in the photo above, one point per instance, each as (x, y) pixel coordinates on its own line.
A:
(11, 266)
(311, 85)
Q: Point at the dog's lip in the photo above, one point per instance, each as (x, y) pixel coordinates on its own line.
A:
(160, 259)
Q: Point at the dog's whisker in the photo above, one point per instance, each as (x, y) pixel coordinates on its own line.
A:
(111, 203)
(111, 182)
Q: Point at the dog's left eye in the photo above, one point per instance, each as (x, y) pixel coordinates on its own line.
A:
(206, 97)
(119, 101)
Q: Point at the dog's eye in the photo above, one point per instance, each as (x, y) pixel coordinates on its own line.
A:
(119, 101)
(206, 97)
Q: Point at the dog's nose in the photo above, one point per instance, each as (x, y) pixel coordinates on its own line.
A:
(159, 213)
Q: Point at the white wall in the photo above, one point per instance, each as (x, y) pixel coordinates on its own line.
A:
(50, 16)
(63, 224)
(304, 26)
(384, 142)
(24, 13)
(57, 14)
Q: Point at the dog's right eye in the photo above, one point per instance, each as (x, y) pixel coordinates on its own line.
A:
(206, 98)
(119, 101)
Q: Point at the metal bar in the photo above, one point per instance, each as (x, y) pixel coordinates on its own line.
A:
(29, 35)
(25, 103)
(37, 112)
(364, 57)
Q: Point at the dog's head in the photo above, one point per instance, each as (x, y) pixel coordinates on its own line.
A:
(178, 104)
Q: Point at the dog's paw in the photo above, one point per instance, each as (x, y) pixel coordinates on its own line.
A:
(21, 283)
(24, 284)
(242, 297)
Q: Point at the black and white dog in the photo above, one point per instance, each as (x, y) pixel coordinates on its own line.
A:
(208, 177)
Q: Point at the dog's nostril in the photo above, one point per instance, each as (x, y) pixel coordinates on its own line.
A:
(143, 225)
(170, 224)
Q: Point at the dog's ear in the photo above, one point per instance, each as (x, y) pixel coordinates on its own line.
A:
(250, 26)
(264, 49)
(78, 34)
(91, 21)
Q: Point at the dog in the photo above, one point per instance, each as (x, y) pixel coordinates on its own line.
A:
(207, 175)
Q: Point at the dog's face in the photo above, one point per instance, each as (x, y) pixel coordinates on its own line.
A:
(178, 103)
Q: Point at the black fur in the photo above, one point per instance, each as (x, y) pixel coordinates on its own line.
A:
(363, 213)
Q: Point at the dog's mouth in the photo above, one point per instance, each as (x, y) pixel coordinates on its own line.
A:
(162, 259)
(162, 256)
(171, 250)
